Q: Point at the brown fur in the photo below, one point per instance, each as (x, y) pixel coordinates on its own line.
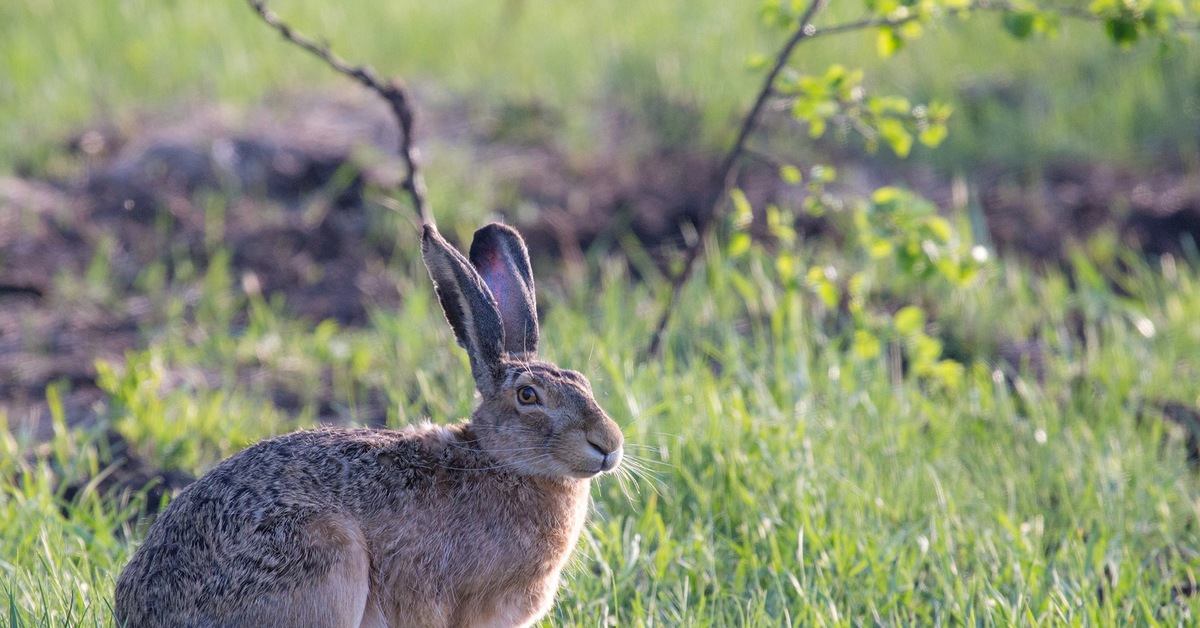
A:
(461, 525)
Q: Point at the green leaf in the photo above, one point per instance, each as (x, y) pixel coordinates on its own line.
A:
(879, 248)
(887, 194)
(1019, 24)
(816, 127)
(940, 228)
(932, 135)
(890, 104)
(790, 174)
(1122, 30)
(938, 111)
(898, 138)
(828, 294)
(926, 350)
(911, 30)
(909, 320)
(949, 373)
(866, 344)
(887, 42)
(819, 281)
(742, 212)
(785, 265)
(822, 174)
(739, 244)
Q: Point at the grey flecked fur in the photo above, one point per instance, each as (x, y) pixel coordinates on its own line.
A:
(461, 525)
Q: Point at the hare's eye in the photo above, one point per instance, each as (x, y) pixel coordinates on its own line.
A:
(527, 396)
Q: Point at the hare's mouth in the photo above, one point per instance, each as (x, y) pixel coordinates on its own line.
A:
(602, 458)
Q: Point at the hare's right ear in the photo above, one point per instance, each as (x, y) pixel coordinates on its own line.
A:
(500, 256)
(469, 306)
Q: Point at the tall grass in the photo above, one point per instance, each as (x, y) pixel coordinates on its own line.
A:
(774, 476)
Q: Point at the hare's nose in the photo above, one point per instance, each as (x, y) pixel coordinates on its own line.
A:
(608, 459)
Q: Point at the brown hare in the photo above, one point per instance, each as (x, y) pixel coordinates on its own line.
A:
(462, 525)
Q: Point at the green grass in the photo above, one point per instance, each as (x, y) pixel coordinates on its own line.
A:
(780, 479)
(68, 64)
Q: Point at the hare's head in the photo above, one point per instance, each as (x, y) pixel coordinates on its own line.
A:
(534, 418)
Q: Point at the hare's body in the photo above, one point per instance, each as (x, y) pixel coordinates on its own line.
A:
(480, 545)
(463, 525)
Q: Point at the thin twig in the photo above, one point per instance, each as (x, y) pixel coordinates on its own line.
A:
(803, 31)
(875, 22)
(393, 91)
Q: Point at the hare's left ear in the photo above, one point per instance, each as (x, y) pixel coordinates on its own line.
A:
(500, 256)
(469, 308)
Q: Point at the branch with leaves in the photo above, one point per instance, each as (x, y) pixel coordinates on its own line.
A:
(838, 96)
(393, 91)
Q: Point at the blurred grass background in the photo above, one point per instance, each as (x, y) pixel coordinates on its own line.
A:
(66, 64)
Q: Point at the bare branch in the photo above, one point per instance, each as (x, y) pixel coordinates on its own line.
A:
(393, 91)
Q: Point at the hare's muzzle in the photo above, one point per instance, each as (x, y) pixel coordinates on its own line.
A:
(609, 459)
(605, 443)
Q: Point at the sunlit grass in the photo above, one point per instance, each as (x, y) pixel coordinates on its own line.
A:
(775, 476)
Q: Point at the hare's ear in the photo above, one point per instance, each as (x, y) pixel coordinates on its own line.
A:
(499, 254)
(469, 307)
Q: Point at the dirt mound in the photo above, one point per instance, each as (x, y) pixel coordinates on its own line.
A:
(282, 188)
(283, 194)
(1157, 214)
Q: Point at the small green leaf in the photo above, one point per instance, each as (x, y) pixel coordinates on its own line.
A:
(828, 294)
(890, 104)
(816, 127)
(785, 265)
(742, 212)
(940, 228)
(886, 194)
(932, 135)
(911, 30)
(819, 281)
(898, 138)
(887, 42)
(926, 349)
(1019, 24)
(739, 244)
(866, 344)
(949, 373)
(909, 320)
(879, 248)
(939, 111)
(823, 174)
(1122, 30)
(790, 174)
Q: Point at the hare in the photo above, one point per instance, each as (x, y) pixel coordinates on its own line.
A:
(462, 525)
